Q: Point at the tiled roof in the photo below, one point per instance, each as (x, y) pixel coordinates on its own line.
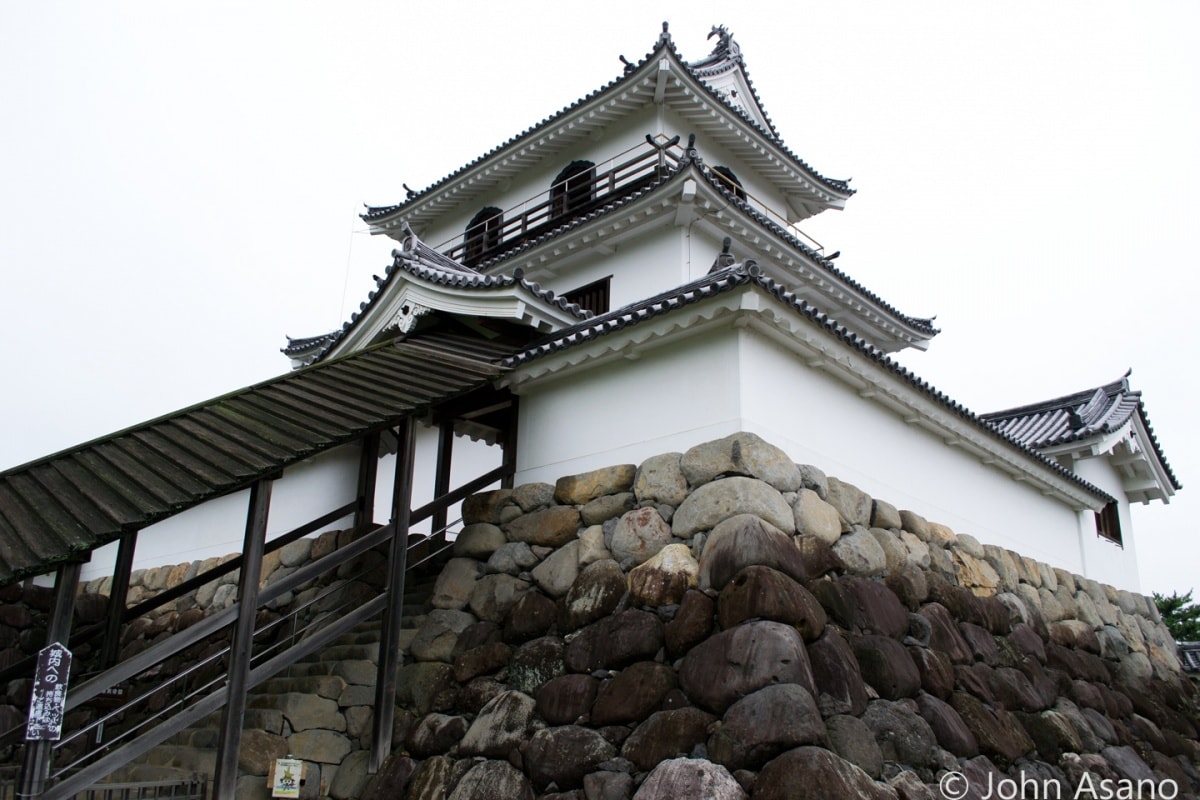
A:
(918, 323)
(420, 261)
(1189, 655)
(720, 281)
(61, 507)
(1077, 417)
(664, 45)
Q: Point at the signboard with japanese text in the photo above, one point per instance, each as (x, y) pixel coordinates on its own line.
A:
(49, 697)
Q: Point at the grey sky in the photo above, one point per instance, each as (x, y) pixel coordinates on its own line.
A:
(180, 183)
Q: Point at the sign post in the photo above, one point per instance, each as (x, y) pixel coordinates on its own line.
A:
(48, 701)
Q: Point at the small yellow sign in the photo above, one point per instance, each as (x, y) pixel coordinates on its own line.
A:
(289, 773)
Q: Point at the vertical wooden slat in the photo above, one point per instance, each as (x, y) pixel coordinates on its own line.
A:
(225, 781)
(36, 767)
(441, 481)
(389, 647)
(368, 471)
(509, 445)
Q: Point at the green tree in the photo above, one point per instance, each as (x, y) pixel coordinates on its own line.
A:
(1181, 615)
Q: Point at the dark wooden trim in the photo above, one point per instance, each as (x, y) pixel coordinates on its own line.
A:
(122, 572)
(368, 473)
(35, 770)
(389, 646)
(229, 742)
(441, 477)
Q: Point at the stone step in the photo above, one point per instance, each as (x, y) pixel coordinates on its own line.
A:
(188, 759)
(322, 685)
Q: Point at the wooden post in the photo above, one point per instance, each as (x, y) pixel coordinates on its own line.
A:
(225, 780)
(389, 646)
(122, 571)
(441, 481)
(509, 445)
(36, 767)
(368, 470)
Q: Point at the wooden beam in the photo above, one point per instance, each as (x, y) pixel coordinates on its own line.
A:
(441, 479)
(509, 443)
(389, 646)
(230, 740)
(368, 472)
(122, 572)
(35, 770)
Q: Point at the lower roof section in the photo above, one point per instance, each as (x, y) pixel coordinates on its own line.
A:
(60, 507)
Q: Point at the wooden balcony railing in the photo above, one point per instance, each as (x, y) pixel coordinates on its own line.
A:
(568, 199)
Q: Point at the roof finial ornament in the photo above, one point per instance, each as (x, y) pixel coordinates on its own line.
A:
(724, 258)
(691, 155)
(665, 36)
(629, 65)
(410, 193)
(726, 46)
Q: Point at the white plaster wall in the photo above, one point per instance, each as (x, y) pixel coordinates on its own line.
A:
(819, 420)
(675, 397)
(218, 527)
(668, 400)
(1105, 561)
(470, 460)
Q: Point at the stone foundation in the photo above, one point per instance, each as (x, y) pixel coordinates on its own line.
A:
(724, 623)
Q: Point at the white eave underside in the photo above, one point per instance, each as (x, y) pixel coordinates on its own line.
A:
(778, 259)
(751, 309)
(682, 94)
(1128, 450)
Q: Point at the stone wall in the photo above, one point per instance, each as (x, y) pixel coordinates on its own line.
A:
(723, 623)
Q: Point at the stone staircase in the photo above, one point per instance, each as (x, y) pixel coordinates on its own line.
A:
(319, 710)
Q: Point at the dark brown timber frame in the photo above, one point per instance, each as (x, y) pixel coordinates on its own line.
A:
(469, 403)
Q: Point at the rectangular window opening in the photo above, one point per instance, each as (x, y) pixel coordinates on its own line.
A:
(1108, 524)
(593, 297)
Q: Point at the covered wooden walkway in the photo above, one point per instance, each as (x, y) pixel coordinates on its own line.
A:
(57, 511)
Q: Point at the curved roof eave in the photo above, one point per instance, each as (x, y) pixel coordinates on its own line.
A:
(378, 216)
(747, 272)
(922, 329)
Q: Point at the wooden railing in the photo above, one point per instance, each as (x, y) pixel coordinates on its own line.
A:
(570, 199)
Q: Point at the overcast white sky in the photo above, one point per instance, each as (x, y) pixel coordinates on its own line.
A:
(180, 183)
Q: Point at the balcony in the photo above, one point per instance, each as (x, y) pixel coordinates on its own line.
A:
(579, 190)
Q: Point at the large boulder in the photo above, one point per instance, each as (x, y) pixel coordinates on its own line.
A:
(587, 486)
(886, 666)
(690, 777)
(492, 780)
(744, 454)
(860, 604)
(813, 773)
(563, 756)
(728, 497)
(667, 734)
(594, 594)
(500, 727)
(839, 683)
(734, 663)
(764, 724)
(615, 641)
(563, 700)
(660, 481)
(765, 593)
(665, 577)
(639, 534)
(550, 527)
(634, 694)
(745, 540)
